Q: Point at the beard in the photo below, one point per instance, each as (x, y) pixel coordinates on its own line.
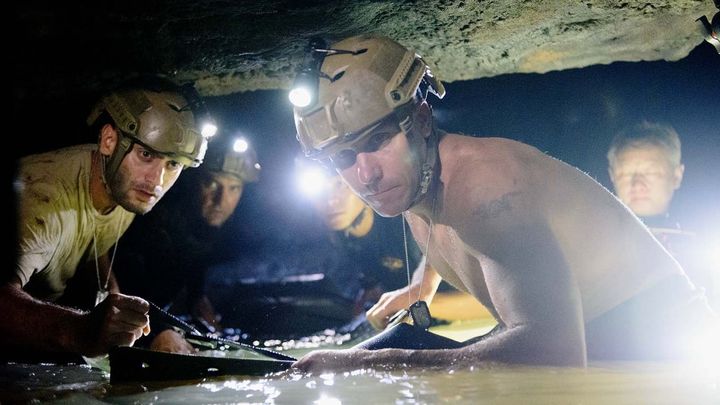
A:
(120, 187)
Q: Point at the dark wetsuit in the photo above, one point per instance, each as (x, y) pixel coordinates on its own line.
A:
(664, 322)
(691, 249)
(681, 313)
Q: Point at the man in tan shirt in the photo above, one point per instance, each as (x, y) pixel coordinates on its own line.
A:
(74, 203)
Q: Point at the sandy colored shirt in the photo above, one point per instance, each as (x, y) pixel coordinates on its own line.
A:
(57, 222)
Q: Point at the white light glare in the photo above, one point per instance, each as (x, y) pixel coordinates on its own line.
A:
(240, 145)
(208, 129)
(327, 400)
(300, 96)
(312, 182)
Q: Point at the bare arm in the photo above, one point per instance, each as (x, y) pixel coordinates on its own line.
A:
(496, 237)
(536, 299)
(425, 282)
(38, 325)
(503, 229)
(536, 296)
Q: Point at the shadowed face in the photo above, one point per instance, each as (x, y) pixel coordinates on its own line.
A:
(142, 179)
(220, 193)
(645, 179)
(386, 178)
(339, 206)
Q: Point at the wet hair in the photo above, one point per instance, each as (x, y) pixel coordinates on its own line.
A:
(646, 134)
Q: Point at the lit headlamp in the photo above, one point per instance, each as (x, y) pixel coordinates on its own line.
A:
(712, 30)
(305, 87)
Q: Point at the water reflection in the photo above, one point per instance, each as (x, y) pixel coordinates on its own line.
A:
(602, 383)
(611, 382)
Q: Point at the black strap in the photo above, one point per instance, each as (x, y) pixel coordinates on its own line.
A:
(195, 336)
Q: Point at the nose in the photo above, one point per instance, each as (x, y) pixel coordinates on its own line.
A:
(368, 171)
(218, 195)
(637, 180)
(156, 174)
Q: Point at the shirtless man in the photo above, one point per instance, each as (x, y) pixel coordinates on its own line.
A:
(568, 272)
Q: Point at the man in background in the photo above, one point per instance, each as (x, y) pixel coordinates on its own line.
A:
(645, 167)
(165, 255)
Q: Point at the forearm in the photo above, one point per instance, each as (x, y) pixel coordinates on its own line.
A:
(33, 324)
(427, 279)
(518, 345)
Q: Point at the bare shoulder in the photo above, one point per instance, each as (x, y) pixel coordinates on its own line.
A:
(469, 156)
(485, 177)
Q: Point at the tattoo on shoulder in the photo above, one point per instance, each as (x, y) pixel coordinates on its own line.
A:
(495, 208)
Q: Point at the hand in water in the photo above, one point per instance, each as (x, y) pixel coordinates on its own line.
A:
(117, 321)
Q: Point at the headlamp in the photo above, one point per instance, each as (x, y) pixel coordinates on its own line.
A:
(240, 145)
(204, 120)
(305, 87)
(712, 30)
(312, 181)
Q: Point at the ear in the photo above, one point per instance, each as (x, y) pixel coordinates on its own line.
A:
(611, 174)
(422, 118)
(108, 140)
(678, 175)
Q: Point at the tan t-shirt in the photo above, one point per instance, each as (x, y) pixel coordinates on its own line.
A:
(57, 222)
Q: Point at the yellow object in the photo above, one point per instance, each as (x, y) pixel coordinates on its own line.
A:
(456, 306)
(468, 318)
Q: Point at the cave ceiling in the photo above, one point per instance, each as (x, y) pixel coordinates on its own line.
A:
(226, 47)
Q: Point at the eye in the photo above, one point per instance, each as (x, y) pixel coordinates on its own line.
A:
(174, 165)
(146, 154)
(344, 159)
(377, 141)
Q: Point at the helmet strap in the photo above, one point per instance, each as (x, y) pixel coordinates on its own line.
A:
(428, 167)
(103, 168)
(112, 163)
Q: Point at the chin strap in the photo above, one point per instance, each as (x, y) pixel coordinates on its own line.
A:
(112, 163)
(428, 167)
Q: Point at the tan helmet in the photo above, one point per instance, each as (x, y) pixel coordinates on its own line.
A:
(159, 118)
(234, 156)
(362, 80)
